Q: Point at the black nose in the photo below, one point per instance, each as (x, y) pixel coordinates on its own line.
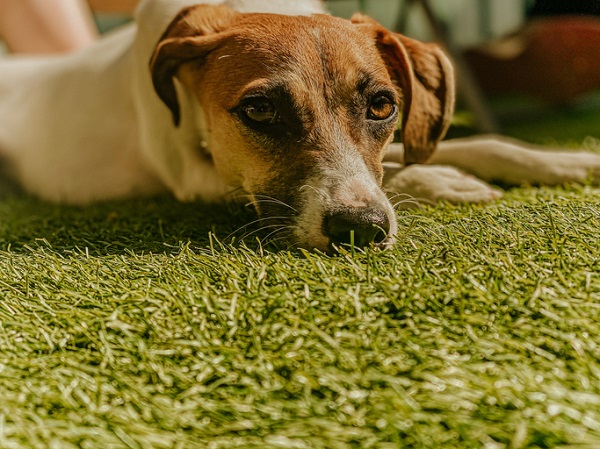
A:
(361, 226)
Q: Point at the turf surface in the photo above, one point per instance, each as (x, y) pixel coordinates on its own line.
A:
(138, 325)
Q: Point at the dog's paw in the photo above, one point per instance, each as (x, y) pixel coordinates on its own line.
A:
(429, 183)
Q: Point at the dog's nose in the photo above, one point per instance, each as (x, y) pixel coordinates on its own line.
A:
(369, 225)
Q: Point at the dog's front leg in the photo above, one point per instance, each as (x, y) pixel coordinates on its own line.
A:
(430, 183)
(509, 161)
(489, 158)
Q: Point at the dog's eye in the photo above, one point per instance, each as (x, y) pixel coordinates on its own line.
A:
(261, 111)
(381, 108)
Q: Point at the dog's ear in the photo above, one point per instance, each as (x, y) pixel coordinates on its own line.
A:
(195, 32)
(426, 77)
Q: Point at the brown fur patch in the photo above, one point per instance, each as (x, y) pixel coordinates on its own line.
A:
(320, 74)
(426, 77)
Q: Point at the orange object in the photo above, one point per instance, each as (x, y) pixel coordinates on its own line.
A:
(554, 59)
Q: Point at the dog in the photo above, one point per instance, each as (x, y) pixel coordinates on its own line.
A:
(295, 108)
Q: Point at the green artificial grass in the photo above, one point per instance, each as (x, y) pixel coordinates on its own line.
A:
(533, 121)
(140, 324)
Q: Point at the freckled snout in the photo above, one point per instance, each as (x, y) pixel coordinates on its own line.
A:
(360, 226)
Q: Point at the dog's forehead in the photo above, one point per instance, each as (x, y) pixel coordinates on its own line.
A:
(309, 50)
(298, 38)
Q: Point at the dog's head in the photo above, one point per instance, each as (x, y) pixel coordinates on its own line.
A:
(299, 111)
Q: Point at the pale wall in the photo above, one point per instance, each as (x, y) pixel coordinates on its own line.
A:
(462, 16)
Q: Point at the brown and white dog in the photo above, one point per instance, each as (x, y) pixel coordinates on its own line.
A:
(275, 98)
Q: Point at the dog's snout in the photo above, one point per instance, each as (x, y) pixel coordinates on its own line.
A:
(360, 226)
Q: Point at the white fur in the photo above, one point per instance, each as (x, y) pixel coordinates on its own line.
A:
(346, 182)
(50, 109)
(50, 138)
(48, 121)
(486, 158)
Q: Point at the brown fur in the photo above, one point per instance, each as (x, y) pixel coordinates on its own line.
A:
(323, 73)
(425, 76)
(203, 39)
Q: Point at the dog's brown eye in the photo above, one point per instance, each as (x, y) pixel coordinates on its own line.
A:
(381, 108)
(261, 111)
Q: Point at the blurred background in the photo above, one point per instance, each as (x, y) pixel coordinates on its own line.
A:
(527, 68)
(468, 21)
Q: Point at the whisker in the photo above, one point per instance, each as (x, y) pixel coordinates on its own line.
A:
(279, 241)
(407, 199)
(274, 239)
(411, 201)
(417, 202)
(281, 229)
(259, 220)
(265, 199)
(398, 195)
(278, 203)
(263, 228)
(317, 191)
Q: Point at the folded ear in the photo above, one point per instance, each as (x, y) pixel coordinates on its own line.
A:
(426, 78)
(195, 32)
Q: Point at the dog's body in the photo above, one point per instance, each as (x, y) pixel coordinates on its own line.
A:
(298, 112)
